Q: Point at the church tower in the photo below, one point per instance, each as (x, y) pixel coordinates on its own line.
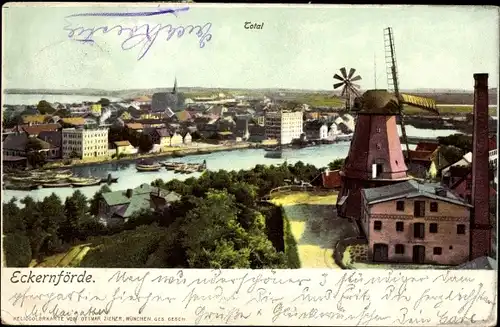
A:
(174, 89)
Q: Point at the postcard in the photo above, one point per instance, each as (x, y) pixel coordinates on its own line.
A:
(230, 164)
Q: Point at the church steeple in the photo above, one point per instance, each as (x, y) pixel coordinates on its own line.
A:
(174, 90)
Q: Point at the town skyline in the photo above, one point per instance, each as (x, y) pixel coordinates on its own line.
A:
(427, 49)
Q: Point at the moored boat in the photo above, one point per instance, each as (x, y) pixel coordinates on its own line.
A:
(147, 165)
(87, 182)
(54, 185)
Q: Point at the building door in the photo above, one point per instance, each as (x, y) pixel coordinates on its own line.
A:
(380, 252)
(418, 254)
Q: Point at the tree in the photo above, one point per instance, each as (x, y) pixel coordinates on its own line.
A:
(17, 250)
(94, 202)
(75, 211)
(36, 157)
(451, 153)
(461, 141)
(44, 108)
(336, 164)
(104, 102)
(74, 155)
(145, 143)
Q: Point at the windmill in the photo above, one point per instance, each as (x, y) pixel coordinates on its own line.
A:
(375, 155)
(349, 90)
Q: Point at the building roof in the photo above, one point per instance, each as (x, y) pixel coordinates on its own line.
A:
(163, 132)
(410, 189)
(421, 155)
(479, 263)
(38, 119)
(52, 137)
(15, 142)
(183, 115)
(122, 143)
(140, 199)
(427, 146)
(378, 102)
(37, 129)
(75, 121)
(134, 126)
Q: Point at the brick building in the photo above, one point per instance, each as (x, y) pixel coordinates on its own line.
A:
(416, 222)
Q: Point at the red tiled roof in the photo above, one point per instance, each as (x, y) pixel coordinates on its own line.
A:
(331, 179)
(37, 129)
(426, 146)
(421, 155)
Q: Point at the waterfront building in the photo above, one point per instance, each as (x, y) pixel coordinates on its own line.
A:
(284, 126)
(85, 142)
(315, 130)
(96, 109)
(416, 222)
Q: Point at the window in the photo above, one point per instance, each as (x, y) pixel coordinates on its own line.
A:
(418, 230)
(468, 186)
(434, 206)
(461, 229)
(400, 249)
(433, 228)
(468, 198)
(419, 209)
(379, 169)
(377, 225)
(438, 251)
(451, 247)
(400, 226)
(400, 206)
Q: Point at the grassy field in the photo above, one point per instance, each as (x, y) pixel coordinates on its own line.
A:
(70, 258)
(128, 249)
(320, 100)
(447, 110)
(314, 226)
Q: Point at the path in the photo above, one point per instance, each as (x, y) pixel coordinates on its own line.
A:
(315, 226)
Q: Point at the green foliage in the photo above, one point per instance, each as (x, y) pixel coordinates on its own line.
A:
(104, 102)
(461, 141)
(145, 143)
(17, 249)
(336, 164)
(291, 248)
(128, 249)
(36, 158)
(44, 108)
(451, 153)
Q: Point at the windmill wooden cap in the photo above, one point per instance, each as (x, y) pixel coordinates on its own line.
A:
(377, 102)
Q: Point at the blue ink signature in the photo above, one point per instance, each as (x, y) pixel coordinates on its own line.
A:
(144, 34)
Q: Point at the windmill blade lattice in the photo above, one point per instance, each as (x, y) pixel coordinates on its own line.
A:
(349, 90)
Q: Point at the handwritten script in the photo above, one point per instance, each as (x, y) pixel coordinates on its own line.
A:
(304, 297)
(140, 37)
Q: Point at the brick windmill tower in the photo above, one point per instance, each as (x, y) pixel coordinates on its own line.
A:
(375, 156)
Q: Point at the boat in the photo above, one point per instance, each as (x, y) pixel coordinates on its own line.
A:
(274, 153)
(59, 184)
(87, 182)
(146, 165)
(20, 186)
(45, 180)
(178, 154)
(64, 175)
(171, 165)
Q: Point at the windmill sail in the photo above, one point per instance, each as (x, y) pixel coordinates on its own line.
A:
(420, 102)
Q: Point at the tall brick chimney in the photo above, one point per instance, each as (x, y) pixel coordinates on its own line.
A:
(480, 228)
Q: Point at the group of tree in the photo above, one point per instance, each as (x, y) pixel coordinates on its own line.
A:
(142, 141)
(41, 228)
(220, 222)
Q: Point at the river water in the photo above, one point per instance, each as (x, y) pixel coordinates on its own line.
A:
(33, 99)
(128, 177)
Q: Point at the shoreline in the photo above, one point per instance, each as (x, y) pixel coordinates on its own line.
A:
(177, 153)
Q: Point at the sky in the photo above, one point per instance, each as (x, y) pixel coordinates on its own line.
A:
(299, 47)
